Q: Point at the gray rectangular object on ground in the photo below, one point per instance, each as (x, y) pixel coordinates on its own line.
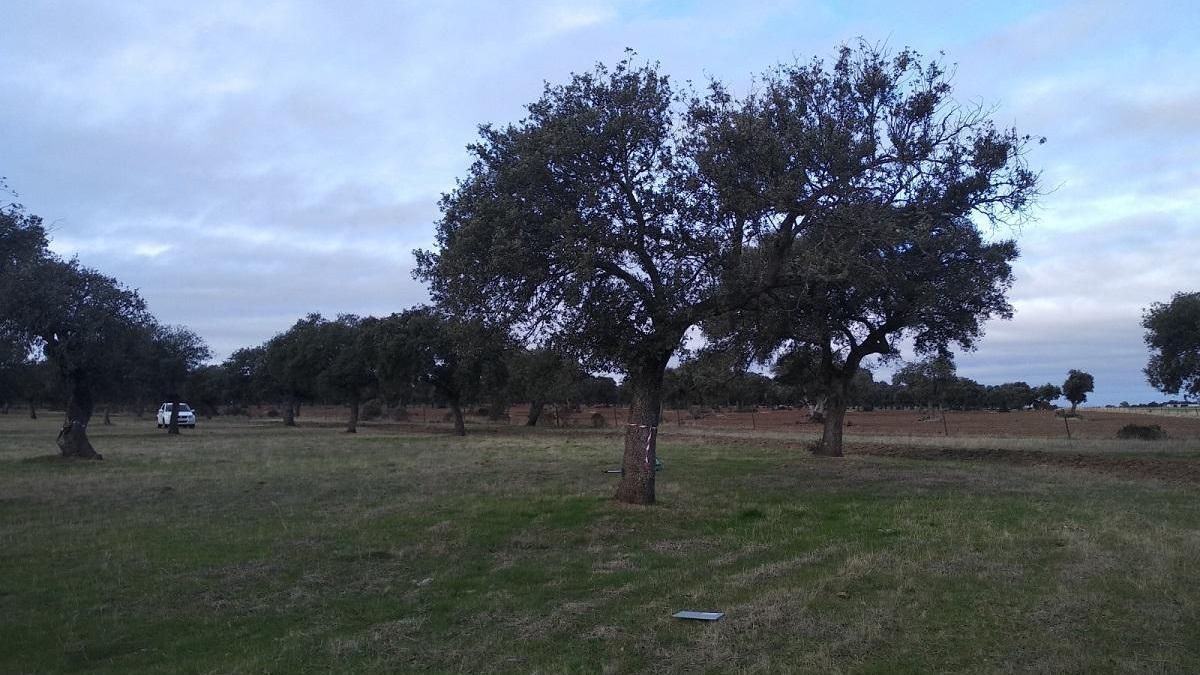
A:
(699, 616)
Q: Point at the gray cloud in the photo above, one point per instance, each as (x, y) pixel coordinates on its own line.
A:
(245, 164)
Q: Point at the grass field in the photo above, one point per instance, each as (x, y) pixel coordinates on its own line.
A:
(247, 547)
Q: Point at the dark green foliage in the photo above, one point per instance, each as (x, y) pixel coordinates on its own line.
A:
(1142, 432)
(1045, 395)
(428, 346)
(88, 326)
(294, 360)
(1077, 386)
(894, 251)
(205, 390)
(96, 333)
(1173, 337)
(173, 353)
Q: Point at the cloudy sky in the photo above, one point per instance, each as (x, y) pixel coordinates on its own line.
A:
(245, 163)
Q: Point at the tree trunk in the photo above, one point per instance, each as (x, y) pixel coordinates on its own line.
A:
(460, 428)
(107, 416)
(497, 409)
(72, 439)
(140, 407)
(1073, 406)
(32, 410)
(173, 426)
(289, 413)
(352, 428)
(641, 434)
(535, 412)
(835, 422)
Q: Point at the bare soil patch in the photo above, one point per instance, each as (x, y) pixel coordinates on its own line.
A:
(1173, 470)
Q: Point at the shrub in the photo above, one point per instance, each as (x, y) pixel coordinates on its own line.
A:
(400, 414)
(598, 421)
(271, 412)
(234, 410)
(1141, 432)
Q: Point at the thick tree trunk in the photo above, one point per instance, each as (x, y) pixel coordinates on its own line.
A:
(835, 422)
(1073, 406)
(352, 428)
(641, 434)
(173, 426)
(535, 412)
(72, 439)
(460, 427)
(289, 413)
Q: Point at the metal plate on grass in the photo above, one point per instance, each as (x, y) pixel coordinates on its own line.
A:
(699, 616)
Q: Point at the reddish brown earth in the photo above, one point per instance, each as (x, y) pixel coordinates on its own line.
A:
(886, 431)
(1174, 469)
(1093, 424)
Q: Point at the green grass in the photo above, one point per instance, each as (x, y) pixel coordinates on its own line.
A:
(243, 547)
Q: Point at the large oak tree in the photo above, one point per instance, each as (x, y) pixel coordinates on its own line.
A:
(617, 215)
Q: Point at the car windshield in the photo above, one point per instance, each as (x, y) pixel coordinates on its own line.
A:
(183, 407)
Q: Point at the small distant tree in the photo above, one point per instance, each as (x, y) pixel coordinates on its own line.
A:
(350, 375)
(1076, 387)
(177, 352)
(429, 346)
(295, 359)
(1046, 394)
(929, 380)
(206, 389)
(1173, 337)
(541, 376)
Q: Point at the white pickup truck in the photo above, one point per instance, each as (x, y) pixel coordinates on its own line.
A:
(187, 418)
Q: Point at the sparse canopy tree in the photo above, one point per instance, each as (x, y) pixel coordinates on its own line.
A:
(1173, 336)
(897, 254)
(616, 216)
(1077, 386)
